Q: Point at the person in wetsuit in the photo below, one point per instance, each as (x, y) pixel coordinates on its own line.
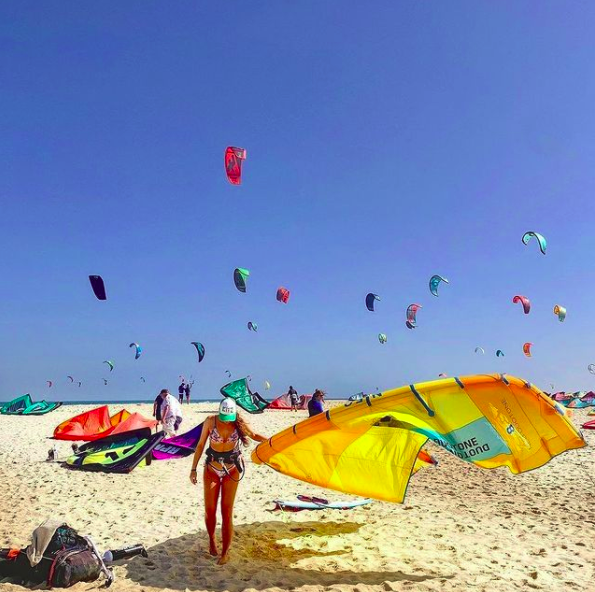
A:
(223, 470)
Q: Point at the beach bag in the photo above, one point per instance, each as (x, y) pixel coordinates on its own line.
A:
(71, 566)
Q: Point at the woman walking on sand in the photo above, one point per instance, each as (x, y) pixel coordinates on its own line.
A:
(224, 469)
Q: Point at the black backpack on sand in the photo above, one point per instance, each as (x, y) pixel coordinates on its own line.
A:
(67, 560)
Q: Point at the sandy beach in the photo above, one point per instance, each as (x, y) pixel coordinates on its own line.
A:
(461, 528)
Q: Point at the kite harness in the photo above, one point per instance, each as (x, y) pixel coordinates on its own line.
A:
(231, 457)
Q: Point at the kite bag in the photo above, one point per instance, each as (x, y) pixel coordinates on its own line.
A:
(71, 566)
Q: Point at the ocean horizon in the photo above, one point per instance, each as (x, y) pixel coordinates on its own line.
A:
(139, 401)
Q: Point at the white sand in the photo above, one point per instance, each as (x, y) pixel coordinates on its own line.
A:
(461, 528)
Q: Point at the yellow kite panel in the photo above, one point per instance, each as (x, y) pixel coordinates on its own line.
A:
(373, 446)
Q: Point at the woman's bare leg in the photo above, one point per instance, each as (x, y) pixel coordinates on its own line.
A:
(228, 496)
(212, 485)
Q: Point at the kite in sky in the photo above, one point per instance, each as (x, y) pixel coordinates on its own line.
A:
(137, 351)
(200, 350)
(252, 326)
(499, 353)
(560, 311)
(240, 275)
(479, 350)
(527, 349)
(370, 300)
(110, 364)
(382, 338)
(539, 237)
(234, 157)
(98, 286)
(283, 295)
(411, 321)
(524, 301)
(435, 282)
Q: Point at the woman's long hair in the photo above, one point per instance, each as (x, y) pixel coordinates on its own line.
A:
(243, 429)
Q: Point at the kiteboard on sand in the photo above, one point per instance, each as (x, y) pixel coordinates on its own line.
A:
(305, 502)
(119, 453)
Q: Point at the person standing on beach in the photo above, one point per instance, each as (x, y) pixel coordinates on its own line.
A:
(224, 469)
(187, 391)
(181, 391)
(315, 405)
(157, 409)
(293, 398)
(171, 413)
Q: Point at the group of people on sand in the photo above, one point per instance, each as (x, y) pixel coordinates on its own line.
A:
(184, 389)
(223, 436)
(315, 404)
(168, 411)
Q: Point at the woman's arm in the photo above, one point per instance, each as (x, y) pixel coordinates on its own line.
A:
(256, 437)
(206, 430)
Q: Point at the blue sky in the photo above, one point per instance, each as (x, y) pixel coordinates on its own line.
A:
(385, 143)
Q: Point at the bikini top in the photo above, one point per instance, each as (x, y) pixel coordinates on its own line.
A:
(218, 439)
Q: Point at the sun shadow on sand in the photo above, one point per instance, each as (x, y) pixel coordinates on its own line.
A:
(263, 556)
